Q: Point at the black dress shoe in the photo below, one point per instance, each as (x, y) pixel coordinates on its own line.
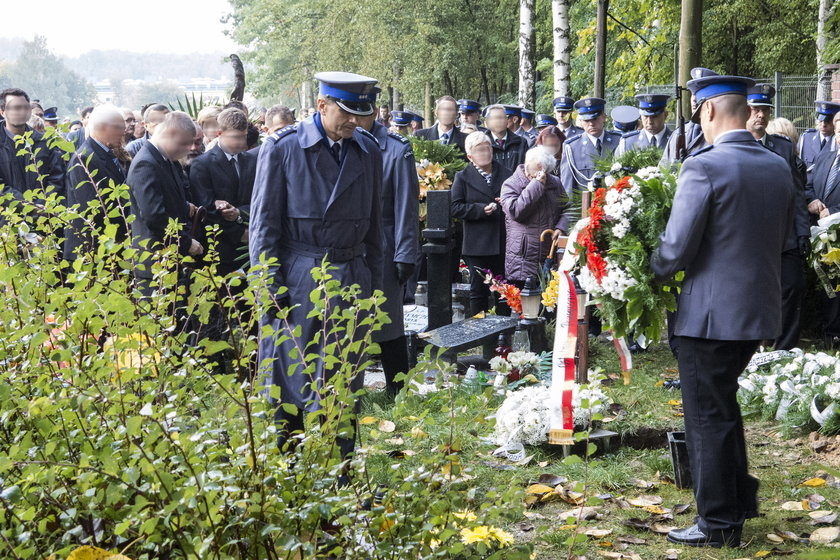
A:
(693, 536)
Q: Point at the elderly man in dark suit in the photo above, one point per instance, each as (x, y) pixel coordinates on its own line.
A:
(92, 173)
(728, 225)
(823, 196)
(158, 196)
(221, 181)
(444, 130)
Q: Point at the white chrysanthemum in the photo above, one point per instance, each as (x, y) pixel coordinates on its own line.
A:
(649, 173)
(616, 281)
(500, 365)
(609, 180)
(588, 282)
(832, 390)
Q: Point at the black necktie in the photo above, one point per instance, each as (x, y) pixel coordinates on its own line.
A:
(336, 151)
(822, 143)
(235, 164)
(444, 139)
(598, 146)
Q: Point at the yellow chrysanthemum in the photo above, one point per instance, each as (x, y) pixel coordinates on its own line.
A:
(479, 534)
(504, 538)
(465, 515)
(549, 296)
(832, 256)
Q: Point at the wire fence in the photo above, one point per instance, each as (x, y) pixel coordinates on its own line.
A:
(795, 96)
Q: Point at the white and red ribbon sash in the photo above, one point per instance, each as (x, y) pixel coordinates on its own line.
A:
(562, 421)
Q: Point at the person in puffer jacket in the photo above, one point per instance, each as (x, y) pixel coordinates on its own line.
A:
(533, 200)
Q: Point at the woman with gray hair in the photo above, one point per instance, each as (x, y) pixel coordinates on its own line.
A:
(533, 200)
(475, 200)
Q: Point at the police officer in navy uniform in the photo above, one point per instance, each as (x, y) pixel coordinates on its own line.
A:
(563, 109)
(401, 122)
(416, 122)
(797, 244)
(469, 113)
(400, 216)
(693, 133)
(654, 132)
(625, 119)
(815, 141)
(317, 194)
(543, 121)
(508, 148)
(581, 151)
(530, 135)
(727, 231)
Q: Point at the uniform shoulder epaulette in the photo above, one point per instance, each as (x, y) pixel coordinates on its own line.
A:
(702, 150)
(807, 130)
(631, 133)
(398, 136)
(575, 138)
(278, 134)
(364, 132)
(782, 137)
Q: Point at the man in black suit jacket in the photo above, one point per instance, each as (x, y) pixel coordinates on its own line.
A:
(157, 196)
(508, 148)
(823, 196)
(221, 181)
(444, 130)
(89, 175)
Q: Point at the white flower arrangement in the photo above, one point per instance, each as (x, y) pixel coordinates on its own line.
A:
(525, 362)
(524, 414)
(614, 283)
(788, 385)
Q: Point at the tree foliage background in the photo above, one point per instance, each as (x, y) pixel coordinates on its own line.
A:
(468, 47)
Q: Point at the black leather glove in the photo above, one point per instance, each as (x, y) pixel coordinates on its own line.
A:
(804, 247)
(404, 271)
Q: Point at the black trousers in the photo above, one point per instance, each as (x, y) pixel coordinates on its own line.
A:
(714, 431)
(394, 361)
(479, 291)
(289, 424)
(793, 285)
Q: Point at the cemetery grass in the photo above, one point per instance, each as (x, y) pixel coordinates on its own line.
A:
(639, 467)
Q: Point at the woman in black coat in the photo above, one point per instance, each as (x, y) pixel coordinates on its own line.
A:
(475, 200)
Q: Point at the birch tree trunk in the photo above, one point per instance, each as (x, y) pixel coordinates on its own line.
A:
(526, 53)
(824, 83)
(562, 47)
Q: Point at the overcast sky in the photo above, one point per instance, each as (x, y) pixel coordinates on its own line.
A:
(74, 27)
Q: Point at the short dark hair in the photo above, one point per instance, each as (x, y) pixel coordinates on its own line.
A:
(11, 92)
(86, 111)
(279, 111)
(154, 108)
(232, 119)
(236, 104)
(252, 138)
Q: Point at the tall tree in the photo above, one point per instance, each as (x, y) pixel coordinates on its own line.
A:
(562, 47)
(526, 53)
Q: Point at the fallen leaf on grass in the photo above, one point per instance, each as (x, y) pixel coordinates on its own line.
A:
(643, 484)
(539, 489)
(645, 501)
(773, 538)
(499, 466)
(597, 533)
(822, 517)
(632, 540)
(773, 551)
(367, 420)
(552, 479)
(679, 509)
(815, 482)
(620, 555)
(418, 433)
(825, 535)
(395, 441)
(587, 513)
(387, 426)
(672, 554)
(660, 528)
(656, 510)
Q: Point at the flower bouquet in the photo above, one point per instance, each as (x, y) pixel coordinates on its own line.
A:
(508, 292)
(524, 414)
(613, 250)
(526, 366)
(437, 165)
(825, 252)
